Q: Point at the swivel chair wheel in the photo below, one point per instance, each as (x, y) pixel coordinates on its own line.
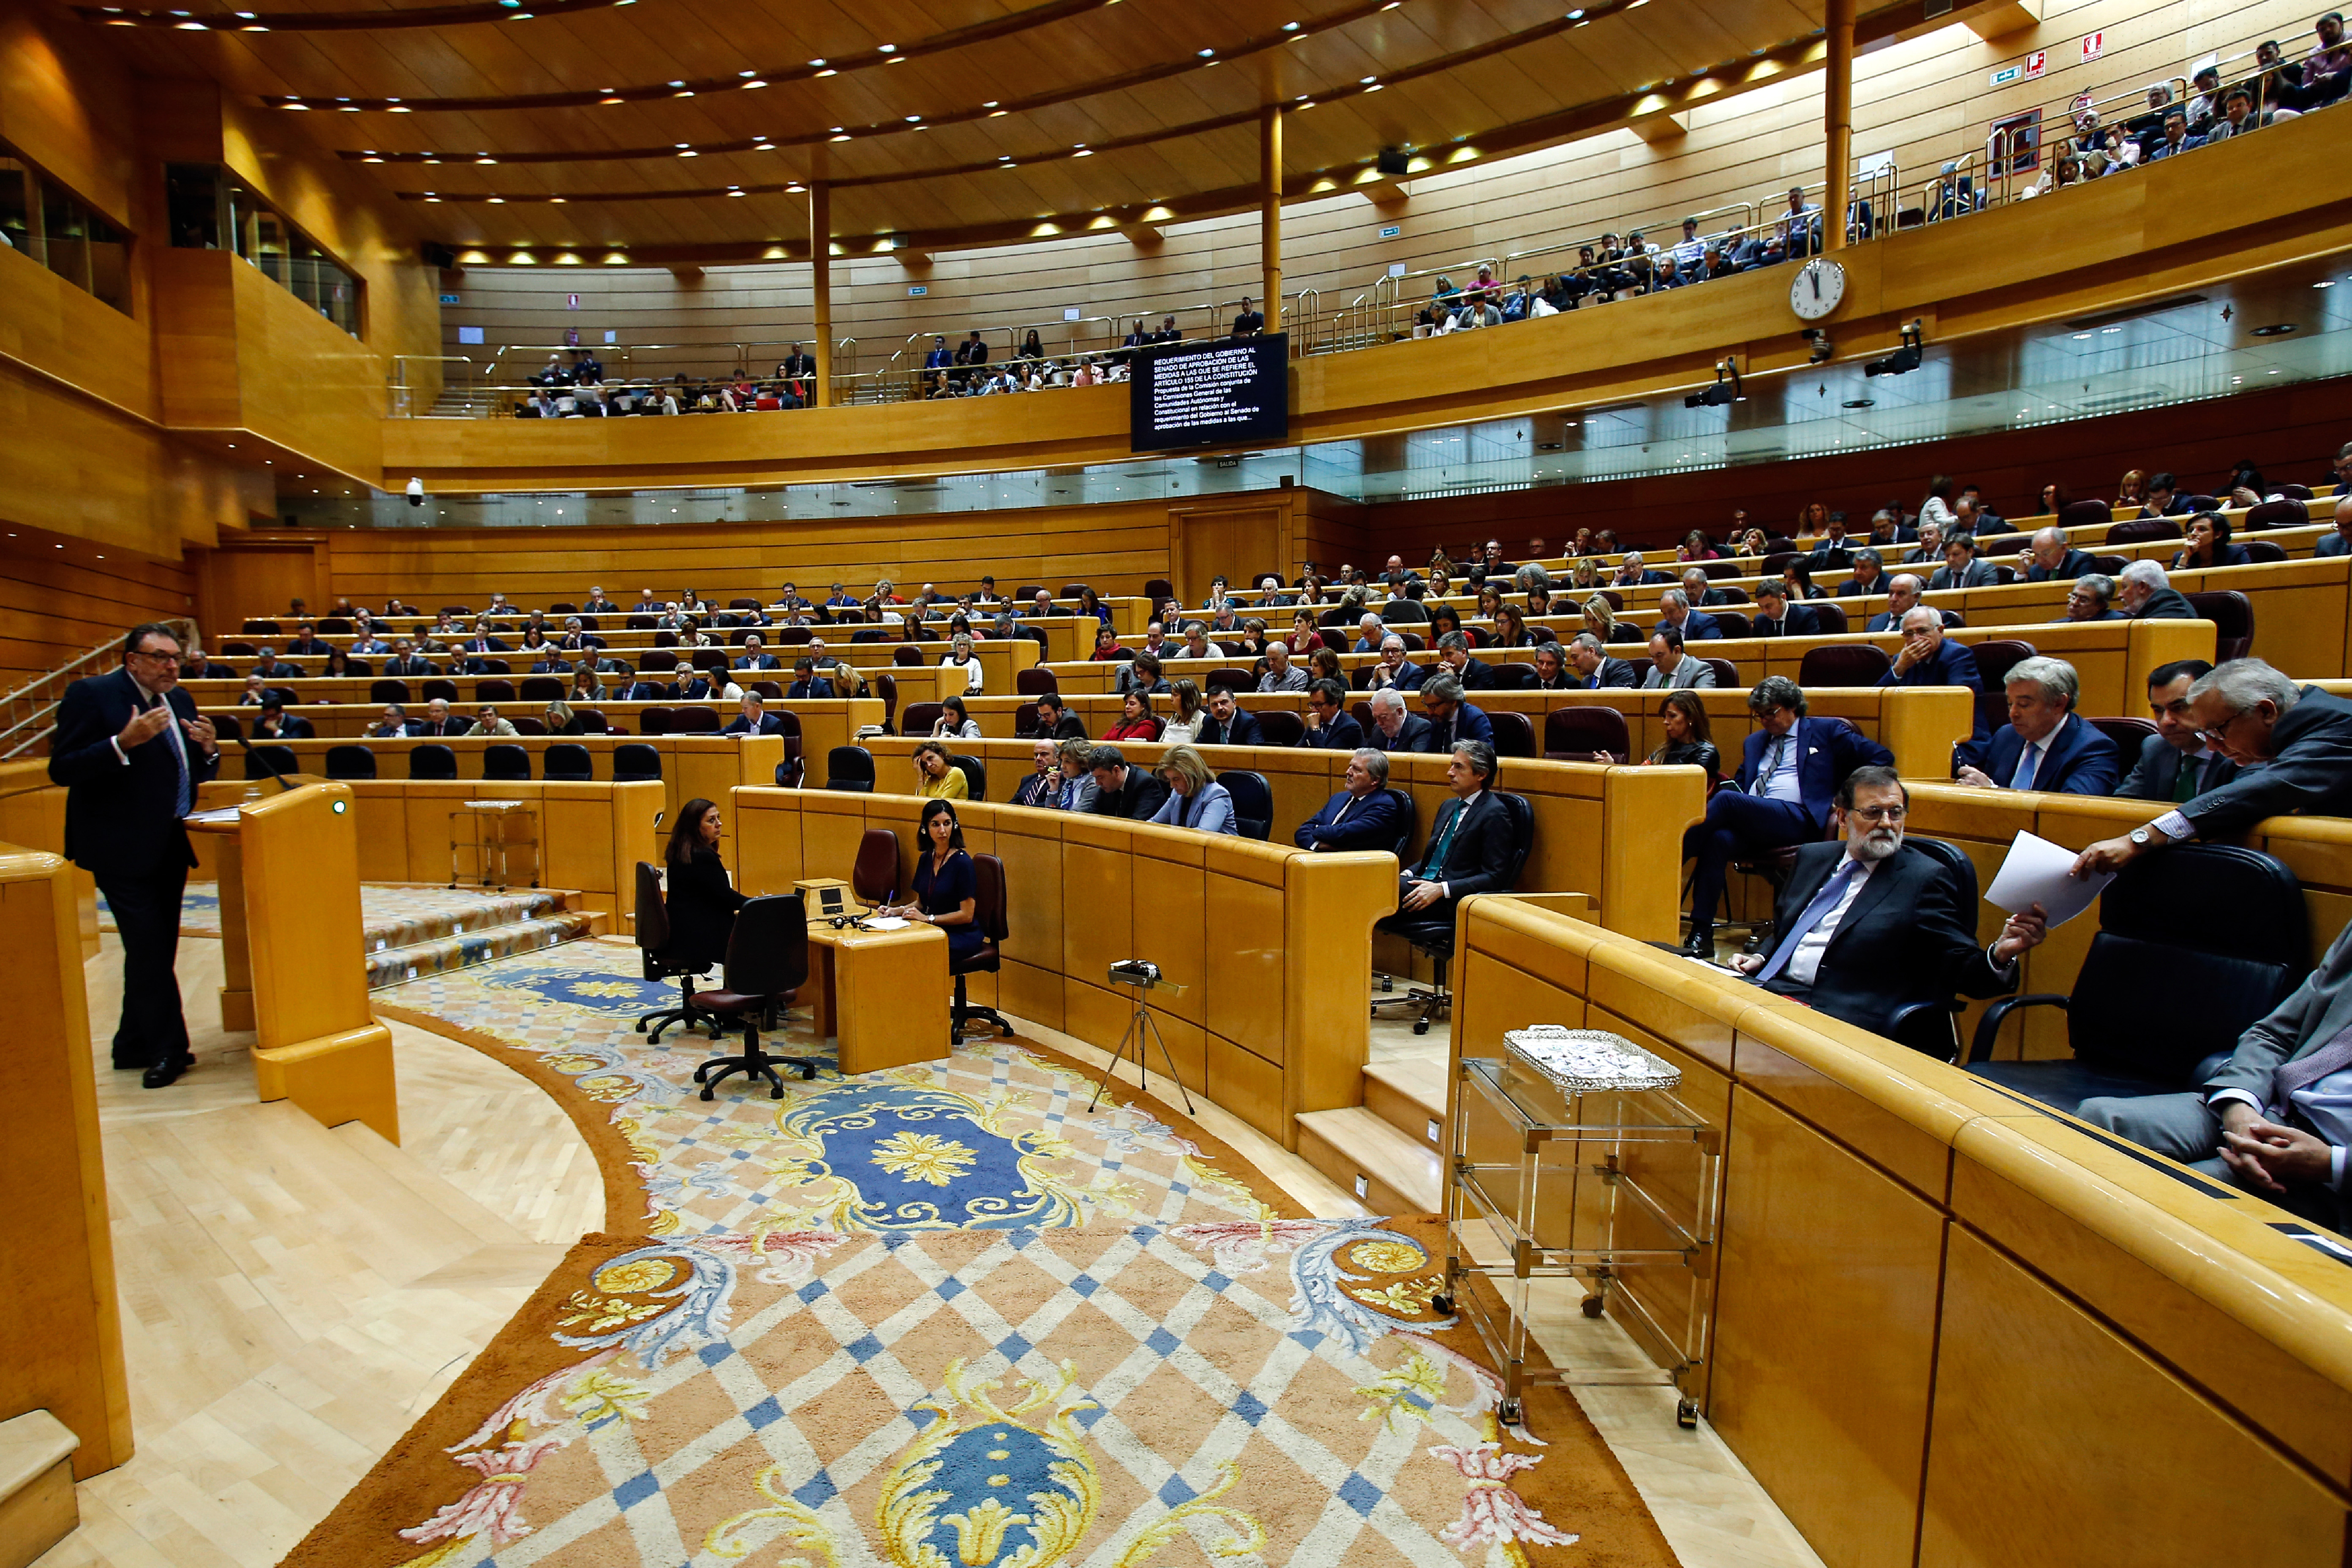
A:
(1686, 1415)
(641, 1026)
(706, 1091)
(1421, 1025)
(1442, 1304)
(808, 1071)
(776, 1090)
(1591, 1305)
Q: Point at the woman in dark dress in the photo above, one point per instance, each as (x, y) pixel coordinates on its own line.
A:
(1689, 742)
(702, 903)
(946, 887)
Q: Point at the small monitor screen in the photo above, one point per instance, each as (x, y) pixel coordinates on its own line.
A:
(1230, 392)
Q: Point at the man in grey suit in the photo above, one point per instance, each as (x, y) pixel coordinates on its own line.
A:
(2273, 1119)
(1671, 668)
(2175, 763)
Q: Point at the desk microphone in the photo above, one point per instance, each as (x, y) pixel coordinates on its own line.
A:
(268, 763)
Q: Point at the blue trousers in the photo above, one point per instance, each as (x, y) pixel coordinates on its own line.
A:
(1736, 826)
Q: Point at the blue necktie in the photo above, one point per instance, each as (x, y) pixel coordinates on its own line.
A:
(1823, 903)
(2026, 767)
(185, 798)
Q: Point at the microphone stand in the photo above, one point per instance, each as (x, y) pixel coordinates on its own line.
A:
(268, 763)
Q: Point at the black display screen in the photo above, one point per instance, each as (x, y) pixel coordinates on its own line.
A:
(1231, 392)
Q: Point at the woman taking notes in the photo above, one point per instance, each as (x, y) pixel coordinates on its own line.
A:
(946, 887)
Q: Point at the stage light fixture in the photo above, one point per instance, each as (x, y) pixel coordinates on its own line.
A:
(1904, 360)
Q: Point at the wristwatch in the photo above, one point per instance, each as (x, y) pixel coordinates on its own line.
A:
(2141, 839)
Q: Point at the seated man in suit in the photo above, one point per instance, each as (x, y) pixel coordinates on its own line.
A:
(1928, 658)
(595, 604)
(1592, 669)
(753, 657)
(1777, 618)
(2175, 763)
(1366, 814)
(1869, 575)
(438, 724)
(2340, 541)
(692, 685)
(1673, 670)
(1864, 927)
(1931, 550)
(1450, 717)
(2294, 750)
(2088, 599)
(2045, 745)
(1469, 848)
(1121, 790)
(392, 725)
(2051, 557)
(489, 721)
(1394, 728)
(576, 638)
(809, 682)
(1831, 552)
(1903, 591)
(1700, 590)
(753, 720)
(1632, 573)
(1055, 719)
(269, 666)
(1551, 669)
(276, 724)
(1330, 726)
(195, 665)
(1394, 671)
(1228, 723)
(641, 686)
(479, 640)
(1043, 787)
(406, 661)
(1453, 658)
(1961, 569)
(2143, 593)
(306, 642)
(1674, 607)
(550, 662)
(1789, 770)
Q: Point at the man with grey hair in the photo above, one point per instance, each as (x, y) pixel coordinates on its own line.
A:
(1930, 550)
(1675, 610)
(2088, 599)
(1450, 717)
(1593, 669)
(1632, 573)
(1394, 672)
(1281, 675)
(1902, 591)
(1468, 849)
(1043, 787)
(1365, 815)
(1453, 654)
(1869, 575)
(1928, 658)
(2045, 745)
(1700, 590)
(2143, 593)
(1368, 633)
(2050, 557)
(1394, 728)
(1531, 574)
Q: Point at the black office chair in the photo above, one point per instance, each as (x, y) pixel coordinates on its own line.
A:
(987, 912)
(511, 763)
(432, 762)
(660, 963)
(1252, 801)
(568, 762)
(975, 775)
(1930, 1025)
(2160, 1000)
(388, 692)
(767, 963)
(850, 769)
(635, 762)
(269, 762)
(1515, 734)
(349, 762)
(1433, 934)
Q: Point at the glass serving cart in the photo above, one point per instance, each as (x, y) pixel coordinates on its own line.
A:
(1607, 1179)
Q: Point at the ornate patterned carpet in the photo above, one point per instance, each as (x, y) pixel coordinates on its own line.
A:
(945, 1318)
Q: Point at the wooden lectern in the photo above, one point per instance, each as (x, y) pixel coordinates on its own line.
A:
(294, 963)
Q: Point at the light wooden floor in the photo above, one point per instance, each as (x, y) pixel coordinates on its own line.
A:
(294, 1297)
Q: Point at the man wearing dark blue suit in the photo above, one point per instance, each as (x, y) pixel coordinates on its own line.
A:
(752, 722)
(1228, 723)
(1928, 658)
(2053, 558)
(1450, 717)
(131, 750)
(2045, 745)
(1674, 605)
(1393, 729)
(1790, 770)
(1366, 814)
(1469, 848)
(1777, 618)
(1330, 724)
(2175, 764)
(752, 658)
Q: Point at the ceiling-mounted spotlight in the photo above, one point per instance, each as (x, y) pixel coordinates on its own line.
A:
(1725, 390)
(1822, 348)
(1902, 360)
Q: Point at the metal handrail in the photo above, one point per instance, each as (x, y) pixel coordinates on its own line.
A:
(31, 708)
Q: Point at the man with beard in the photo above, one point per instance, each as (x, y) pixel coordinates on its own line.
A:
(1864, 927)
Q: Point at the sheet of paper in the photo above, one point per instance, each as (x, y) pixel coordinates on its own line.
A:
(886, 923)
(218, 814)
(2036, 872)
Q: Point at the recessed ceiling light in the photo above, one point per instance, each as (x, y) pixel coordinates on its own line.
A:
(1204, 54)
(816, 62)
(2325, 283)
(2275, 330)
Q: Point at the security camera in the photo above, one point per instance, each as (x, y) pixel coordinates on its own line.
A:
(415, 493)
(1822, 347)
(1724, 391)
(1903, 360)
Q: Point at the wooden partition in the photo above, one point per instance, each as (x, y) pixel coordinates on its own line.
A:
(345, 700)
(1257, 934)
(33, 814)
(591, 835)
(1951, 1327)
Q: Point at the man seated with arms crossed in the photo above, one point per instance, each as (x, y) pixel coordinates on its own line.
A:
(1864, 927)
(2302, 739)
(1329, 725)
(1228, 723)
(1043, 787)
(1451, 719)
(2175, 763)
(1394, 728)
(1469, 848)
(2045, 745)
(1121, 790)
(1790, 769)
(1592, 669)
(1366, 814)
(1927, 657)
(1672, 669)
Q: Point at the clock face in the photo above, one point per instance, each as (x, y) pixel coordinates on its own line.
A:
(1817, 289)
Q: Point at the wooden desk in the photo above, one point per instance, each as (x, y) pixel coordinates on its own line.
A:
(884, 993)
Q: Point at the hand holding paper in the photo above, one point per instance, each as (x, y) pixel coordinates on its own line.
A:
(2039, 872)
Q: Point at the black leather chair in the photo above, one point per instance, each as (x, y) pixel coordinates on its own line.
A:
(2165, 991)
(1252, 801)
(1433, 934)
(1515, 734)
(660, 965)
(507, 761)
(569, 763)
(636, 761)
(874, 874)
(270, 762)
(987, 912)
(767, 963)
(2128, 734)
(1581, 734)
(1930, 1025)
(349, 762)
(388, 692)
(975, 775)
(2233, 615)
(432, 762)
(849, 769)
(540, 688)
(1280, 726)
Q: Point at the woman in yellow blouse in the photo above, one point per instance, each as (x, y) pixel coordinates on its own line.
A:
(936, 778)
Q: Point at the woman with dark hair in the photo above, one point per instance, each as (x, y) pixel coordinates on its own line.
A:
(1697, 546)
(2054, 500)
(1107, 645)
(1324, 665)
(1490, 602)
(1539, 603)
(341, 663)
(1442, 620)
(1511, 628)
(701, 901)
(2209, 544)
(1937, 507)
(1302, 638)
(935, 775)
(1136, 722)
(1090, 603)
(1797, 578)
(1030, 348)
(955, 723)
(1690, 743)
(946, 884)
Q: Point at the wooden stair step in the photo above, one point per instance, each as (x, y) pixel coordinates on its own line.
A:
(1387, 1169)
(36, 1493)
(1410, 1094)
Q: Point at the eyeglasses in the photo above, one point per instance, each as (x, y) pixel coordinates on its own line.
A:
(160, 655)
(2213, 737)
(1879, 812)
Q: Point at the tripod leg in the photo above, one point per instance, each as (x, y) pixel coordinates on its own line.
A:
(1153, 1025)
(1116, 1058)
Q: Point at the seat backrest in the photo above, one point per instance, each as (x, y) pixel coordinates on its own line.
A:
(885, 686)
(975, 775)
(567, 760)
(713, 659)
(2289, 513)
(540, 688)
(264, 761)
(1159, 588)
(653, 915)
(591, 721)
(1732, 593)
(1583, 731)
(987, 903)
(1523, 836)
(506, 762)
(652, 721)
(563, 608)
(1510, 675)
(1252, 801)
(1732, 622)
(2157, 994)
(868, 634)
(259, 629)
(2004, 544)
(1035, 681)
(849, 768)
(695, 720)
(906, 654)
(2110, 565)
(636, 761)
(2140, 529)
(2128, 734)
(1515, 735)
(1842, 664)
(446, 689)
(525, 725)
(1280, 727)
(1072, 590)
(1830, 618)
(1996, 656)
(2263, 550)
(432, 762)
(1229, 680)
(226, 728)
(2233, 615)
(767, 955)
(1726, 674)
(794, 636)
(388, 692)
(874, 875)
(1026, 594)
(2295, 492)
(1024, 721)
(922, 717)
(349, 762)
(2085, 514)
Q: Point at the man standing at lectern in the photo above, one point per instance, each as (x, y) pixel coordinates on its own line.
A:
(131, 750)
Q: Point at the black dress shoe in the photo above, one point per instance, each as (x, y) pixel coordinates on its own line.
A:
(162, 1074)
(1698, 944)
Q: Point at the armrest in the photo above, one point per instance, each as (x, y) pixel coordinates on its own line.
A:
(1988, 1027)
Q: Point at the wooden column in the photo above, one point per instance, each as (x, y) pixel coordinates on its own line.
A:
(820, 197)
(1837, 124)
(1269, 214)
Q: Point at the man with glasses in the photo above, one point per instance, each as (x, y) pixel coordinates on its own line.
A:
(1790, 769)
(2091, 599)
(2302, 737)
(131, 751)
(1867, 926)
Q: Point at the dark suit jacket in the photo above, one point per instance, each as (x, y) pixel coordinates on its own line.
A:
(426, 729)
(410, 666)
(2310, 772)
(278, 669)
(2076, 564)
(1477, 861)
(1611, 672)
(2081, 761)
(1954, 665)
(1825, 557)
(1412, 735)
(1373, 822)
(290, 727)
(1137, 800)
(1800, 621)
(1244, 731)
(1826, 751)
(1475, 675)
(121, 819)
(769, 725)
(551, 666)
(765, 662)
(483, 645)
(820, 689)
(1851, 589)
(1469, 724)
(1695, 627)
(701, 904)
(644, 692)
(2166, 604)
(1343, 734)
(1904, 939)
(694, 690)
(2154, 776)
(1408, 677)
